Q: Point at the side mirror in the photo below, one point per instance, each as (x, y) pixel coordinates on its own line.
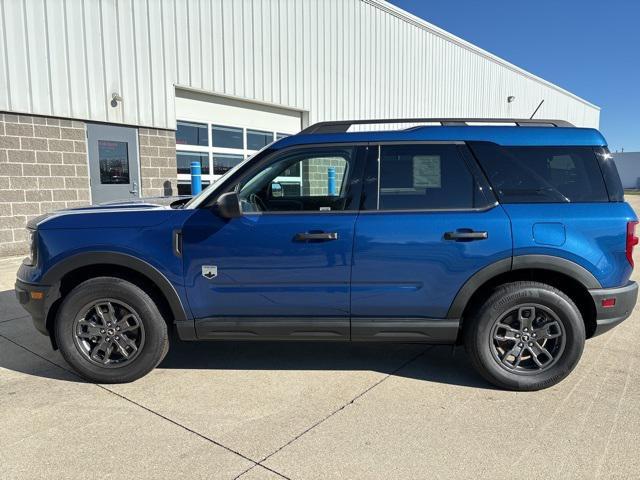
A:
(228, 205)
(276, 190)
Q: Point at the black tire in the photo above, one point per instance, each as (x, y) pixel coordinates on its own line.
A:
(149, 330)
(485, 338)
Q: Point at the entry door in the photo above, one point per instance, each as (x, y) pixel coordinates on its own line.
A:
(282, 270)
(113, 163)
(426, 228)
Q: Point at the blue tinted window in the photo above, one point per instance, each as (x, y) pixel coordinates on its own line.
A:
(226, 137)
(257, 139)
(185, 158)
(189, 133)
(222, 163)
(542, 174)
(281, 135)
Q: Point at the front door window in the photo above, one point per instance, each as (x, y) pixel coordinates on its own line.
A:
(302, 181)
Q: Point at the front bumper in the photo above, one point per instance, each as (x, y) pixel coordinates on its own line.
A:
(608, 317)
(36, 299)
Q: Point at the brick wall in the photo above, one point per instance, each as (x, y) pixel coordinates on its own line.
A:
(158, 167)
(43, 167)
(315, 177)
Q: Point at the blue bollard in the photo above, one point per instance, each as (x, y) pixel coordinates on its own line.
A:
(196, 178)
(331, 178)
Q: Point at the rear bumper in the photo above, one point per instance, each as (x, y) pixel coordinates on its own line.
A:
(608, 317)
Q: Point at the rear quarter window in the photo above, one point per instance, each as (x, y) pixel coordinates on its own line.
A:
(546, 174)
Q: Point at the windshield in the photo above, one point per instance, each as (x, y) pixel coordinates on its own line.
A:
(204, 194)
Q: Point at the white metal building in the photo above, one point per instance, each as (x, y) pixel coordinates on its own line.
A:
(232, 74)
(628, 165)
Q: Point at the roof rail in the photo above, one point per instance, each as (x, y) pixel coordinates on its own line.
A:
(342, 126)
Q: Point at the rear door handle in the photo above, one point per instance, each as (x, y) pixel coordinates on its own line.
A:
(465, 235)
(315, 236)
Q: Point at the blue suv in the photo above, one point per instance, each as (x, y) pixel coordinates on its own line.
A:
(512, 239)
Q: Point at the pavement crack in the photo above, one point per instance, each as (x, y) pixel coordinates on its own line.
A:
(259, 465)
(184, 427)
(350, 402)
(245, 471)
(21, 317)
(153, 412)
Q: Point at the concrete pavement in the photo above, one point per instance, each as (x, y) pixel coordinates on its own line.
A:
(313, 411)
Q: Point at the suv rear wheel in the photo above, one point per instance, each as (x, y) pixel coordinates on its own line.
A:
(110, 331)
(525, 336)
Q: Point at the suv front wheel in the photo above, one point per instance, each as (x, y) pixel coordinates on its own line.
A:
(111, 331)
(525, 336)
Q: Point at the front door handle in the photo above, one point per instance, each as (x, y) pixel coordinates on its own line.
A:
(465, 235)
(134, 191)
(315, 236)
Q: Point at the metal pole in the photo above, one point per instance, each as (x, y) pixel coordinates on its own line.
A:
(196, 178)
(331, 179)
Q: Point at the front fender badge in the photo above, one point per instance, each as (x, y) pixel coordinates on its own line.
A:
(209, 271)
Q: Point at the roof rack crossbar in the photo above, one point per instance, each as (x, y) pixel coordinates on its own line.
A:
(342, 126)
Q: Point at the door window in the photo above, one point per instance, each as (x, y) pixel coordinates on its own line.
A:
(308, 180)
(424, 177)
(113, 158)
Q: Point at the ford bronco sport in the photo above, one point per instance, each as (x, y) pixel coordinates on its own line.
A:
(512, 239)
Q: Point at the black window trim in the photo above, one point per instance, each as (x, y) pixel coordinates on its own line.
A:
(468, 160)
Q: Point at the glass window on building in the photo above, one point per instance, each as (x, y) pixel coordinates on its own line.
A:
(226, 137)
(223, 162)
(257, 139)
(185, 158)
(189, 133)
(184, 188)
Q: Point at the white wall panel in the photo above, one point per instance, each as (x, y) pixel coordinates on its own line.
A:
(16, 45)
(38, 61)
(334, 59)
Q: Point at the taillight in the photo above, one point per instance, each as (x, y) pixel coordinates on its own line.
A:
(632, 240)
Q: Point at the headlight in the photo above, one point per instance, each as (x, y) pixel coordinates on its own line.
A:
(33, 247)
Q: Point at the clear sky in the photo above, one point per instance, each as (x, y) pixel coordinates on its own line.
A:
(589, 47)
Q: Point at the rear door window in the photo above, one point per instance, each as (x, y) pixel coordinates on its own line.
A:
(424, 177)
(560, 174)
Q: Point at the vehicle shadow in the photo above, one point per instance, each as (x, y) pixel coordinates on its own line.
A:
(431, 363)
(27, 351)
